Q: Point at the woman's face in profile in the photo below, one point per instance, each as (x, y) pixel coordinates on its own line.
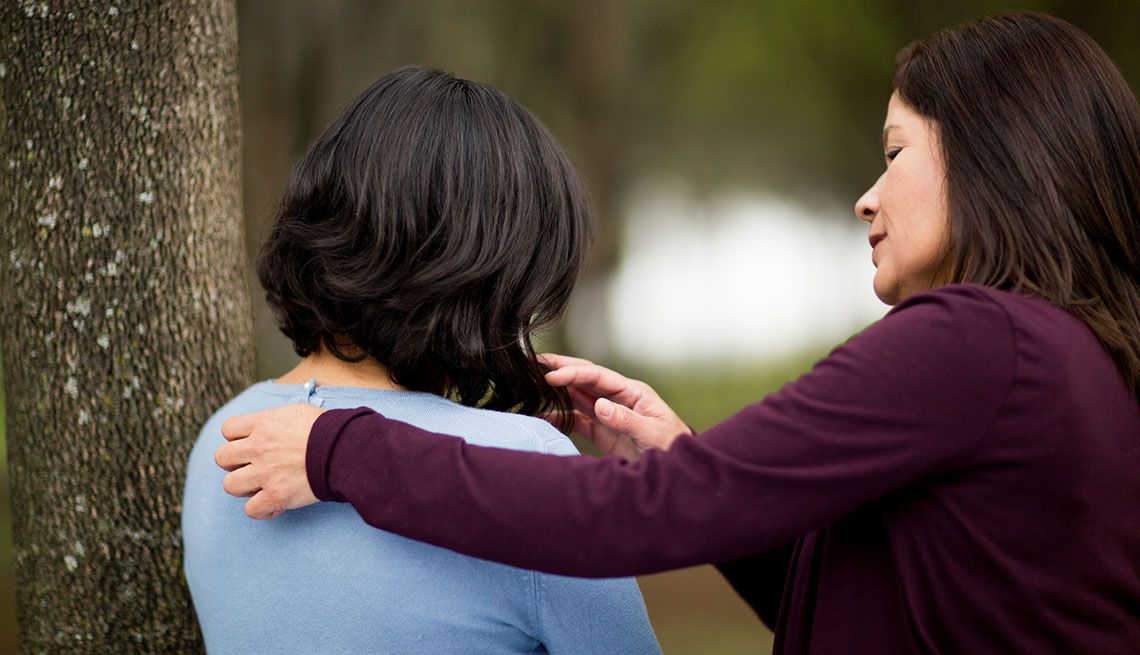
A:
(906, 207)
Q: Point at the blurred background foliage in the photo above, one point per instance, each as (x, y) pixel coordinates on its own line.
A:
(783, 99)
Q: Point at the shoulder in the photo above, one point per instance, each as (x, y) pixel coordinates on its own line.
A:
(960, 320)
(552, 441)
(484, 427)
(251, 399)
(969, 303)
(951, 350)
(477, 426)
(986, 322)
(964, 337)
(949, 322)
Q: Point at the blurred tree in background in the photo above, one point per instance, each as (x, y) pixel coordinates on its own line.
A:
(782, 97)
(786, 98)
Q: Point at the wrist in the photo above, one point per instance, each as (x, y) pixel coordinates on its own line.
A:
(323, 437)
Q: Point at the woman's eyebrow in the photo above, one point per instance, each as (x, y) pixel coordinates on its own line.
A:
(886, 131)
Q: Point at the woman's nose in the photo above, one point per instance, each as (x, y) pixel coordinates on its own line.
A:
(867, 207)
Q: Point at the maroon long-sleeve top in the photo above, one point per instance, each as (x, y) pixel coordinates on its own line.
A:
(961, 477)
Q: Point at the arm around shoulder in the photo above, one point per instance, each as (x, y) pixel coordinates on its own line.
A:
(907, 398)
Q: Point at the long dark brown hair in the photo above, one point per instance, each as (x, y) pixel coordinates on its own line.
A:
(1040, 135)
(432, 227)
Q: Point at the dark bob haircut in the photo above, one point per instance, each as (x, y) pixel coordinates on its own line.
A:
(1041, 138)
(432, 227)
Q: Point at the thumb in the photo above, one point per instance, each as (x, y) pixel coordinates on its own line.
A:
(616, 417)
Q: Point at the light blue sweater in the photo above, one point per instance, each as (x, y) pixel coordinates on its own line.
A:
(318, 580)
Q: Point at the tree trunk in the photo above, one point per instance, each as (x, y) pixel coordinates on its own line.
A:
(125, 315)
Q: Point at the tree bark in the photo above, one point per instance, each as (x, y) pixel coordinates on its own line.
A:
(125, 315)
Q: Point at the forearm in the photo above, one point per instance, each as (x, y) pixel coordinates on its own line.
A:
(567, 515)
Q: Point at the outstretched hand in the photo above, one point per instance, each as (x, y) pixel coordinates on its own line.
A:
(620, 416)
(265, 457)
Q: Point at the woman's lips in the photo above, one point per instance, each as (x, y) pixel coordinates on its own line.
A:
(874, 240)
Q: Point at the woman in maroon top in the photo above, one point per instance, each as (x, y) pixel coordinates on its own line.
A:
(961, 477)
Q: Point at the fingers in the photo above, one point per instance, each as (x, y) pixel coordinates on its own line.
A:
(584, 426)
(587, 428)
(232, 455)
(239, 427)
(597, 380)
(645, 431)
(618, 417)
(241, 482)
(263, 505)
(582, 401)
(607, 441)
(581, 422)
(265, 458)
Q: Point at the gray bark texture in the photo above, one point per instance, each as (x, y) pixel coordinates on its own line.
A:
(125, 314)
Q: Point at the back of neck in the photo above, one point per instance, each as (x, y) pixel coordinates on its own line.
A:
(329, 370)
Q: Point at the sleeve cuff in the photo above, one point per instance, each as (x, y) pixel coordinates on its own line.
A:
(318, 453)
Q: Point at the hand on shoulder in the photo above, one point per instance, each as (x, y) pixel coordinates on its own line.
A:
(265, 456)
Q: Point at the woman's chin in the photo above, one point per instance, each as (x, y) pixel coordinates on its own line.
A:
(888, 293)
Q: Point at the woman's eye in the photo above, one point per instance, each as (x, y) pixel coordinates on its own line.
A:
(892, 153)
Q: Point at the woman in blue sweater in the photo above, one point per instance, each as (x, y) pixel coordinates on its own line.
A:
(432, 227)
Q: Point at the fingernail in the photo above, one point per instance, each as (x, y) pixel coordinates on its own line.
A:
(604, 407)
